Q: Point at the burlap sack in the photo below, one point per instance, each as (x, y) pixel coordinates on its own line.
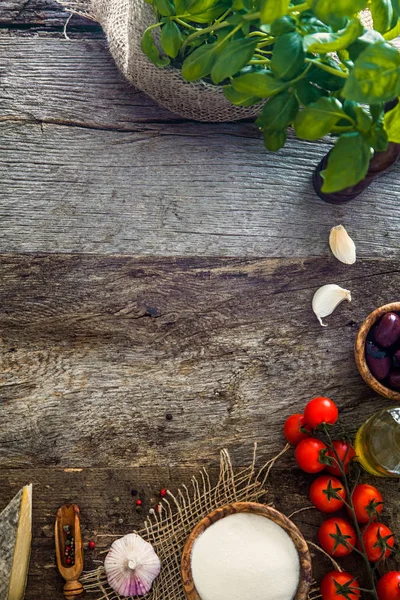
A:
(124, 22)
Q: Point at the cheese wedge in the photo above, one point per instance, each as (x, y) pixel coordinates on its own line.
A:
(15, 545)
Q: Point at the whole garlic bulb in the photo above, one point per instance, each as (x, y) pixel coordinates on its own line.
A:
(131, 565)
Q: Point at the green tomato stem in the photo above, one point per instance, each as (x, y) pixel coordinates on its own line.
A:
(349, 496)
(263, 61)
(327, 68)
(300, 7)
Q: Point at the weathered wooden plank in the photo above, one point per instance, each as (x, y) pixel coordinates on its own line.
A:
(227, 347)
(85, 168)
(104, 496)
(41, 15)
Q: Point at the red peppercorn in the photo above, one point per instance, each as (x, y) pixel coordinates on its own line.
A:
(91, 545)
(138, 502)
(68, 560)
(163, 493)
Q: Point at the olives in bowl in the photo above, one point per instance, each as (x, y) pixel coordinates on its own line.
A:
(377, 350)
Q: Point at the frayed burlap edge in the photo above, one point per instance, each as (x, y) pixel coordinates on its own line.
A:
(169, 529)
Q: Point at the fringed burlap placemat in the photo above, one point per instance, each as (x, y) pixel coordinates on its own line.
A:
(169, 529)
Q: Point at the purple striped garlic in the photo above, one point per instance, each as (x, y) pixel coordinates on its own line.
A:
(131, 566)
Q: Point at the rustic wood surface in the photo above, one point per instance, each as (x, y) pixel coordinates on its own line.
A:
(121, 371)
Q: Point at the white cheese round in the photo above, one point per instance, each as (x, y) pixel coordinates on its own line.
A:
(245, 557)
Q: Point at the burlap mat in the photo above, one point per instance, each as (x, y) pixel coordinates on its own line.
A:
(168, 530)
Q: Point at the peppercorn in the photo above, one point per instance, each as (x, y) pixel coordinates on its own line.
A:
(163, 493)
(138, 502)
(91, 545)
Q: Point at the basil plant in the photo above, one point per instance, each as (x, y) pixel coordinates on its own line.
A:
(312, 65)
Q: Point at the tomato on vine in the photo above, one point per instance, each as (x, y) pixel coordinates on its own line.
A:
(339, 585)
(378, 541)
(320, 410)
(367, 502)
(388, 587)
(294, 430)
(327, 494)
(308, 454)
(337, 537)
(345, 453)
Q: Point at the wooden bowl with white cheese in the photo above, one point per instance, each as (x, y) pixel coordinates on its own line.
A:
(246, 551)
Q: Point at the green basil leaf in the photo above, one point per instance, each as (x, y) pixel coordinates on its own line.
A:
(378, 138)
(310, 24)
(262, 85)
(283, 25)
(393, 33)
(273, 9)
(363, 119)
(322, 43)
(368, 38)
(209, 15)
(326, 80)
(376, 111)
(307, 92)
(392, 124)
(198, 7)
(318, 118)
(274, 140)
(396, 7)
(164, 7)
(199, 63)
(233, 58)
(171, 39)
(330, 10)
(239, 99)
(382, 14)
(288, 57)
(151, 51)
(376, 75)
(278, 112)
(180, 6)
(348, 163)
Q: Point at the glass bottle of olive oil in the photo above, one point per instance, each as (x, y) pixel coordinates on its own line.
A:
(377, 443)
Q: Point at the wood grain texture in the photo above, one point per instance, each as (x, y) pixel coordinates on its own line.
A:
(228, 347)
(87, 166)
(107, 508)
(33, 17)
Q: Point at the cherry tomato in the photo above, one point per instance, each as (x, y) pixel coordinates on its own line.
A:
(367, 502)
(324, 492)
(337, 537)
(343, 450)
(388, 586)
(375, 536)
(348, 585)
(308, 453)
(320, 410)
(292, 431)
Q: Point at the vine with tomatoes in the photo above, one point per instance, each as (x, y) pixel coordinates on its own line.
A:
(360, 529)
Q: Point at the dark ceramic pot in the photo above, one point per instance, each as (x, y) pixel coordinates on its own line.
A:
(380, 163)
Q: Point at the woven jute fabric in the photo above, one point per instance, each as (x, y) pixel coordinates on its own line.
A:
(124, 22)
(168, 529)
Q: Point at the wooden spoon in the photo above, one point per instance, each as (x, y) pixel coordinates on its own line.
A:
(69, 515)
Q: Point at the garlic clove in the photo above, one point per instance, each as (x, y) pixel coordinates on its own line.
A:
(342, 246)
(131, 566)
(327, 298)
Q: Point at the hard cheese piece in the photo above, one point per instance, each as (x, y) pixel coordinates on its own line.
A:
(15, 545)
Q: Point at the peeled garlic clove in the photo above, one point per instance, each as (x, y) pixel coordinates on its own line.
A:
(342, 246)
(131, 566)
(327, 298)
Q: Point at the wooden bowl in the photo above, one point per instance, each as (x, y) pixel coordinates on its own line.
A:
(257, 509)
(359, 351)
